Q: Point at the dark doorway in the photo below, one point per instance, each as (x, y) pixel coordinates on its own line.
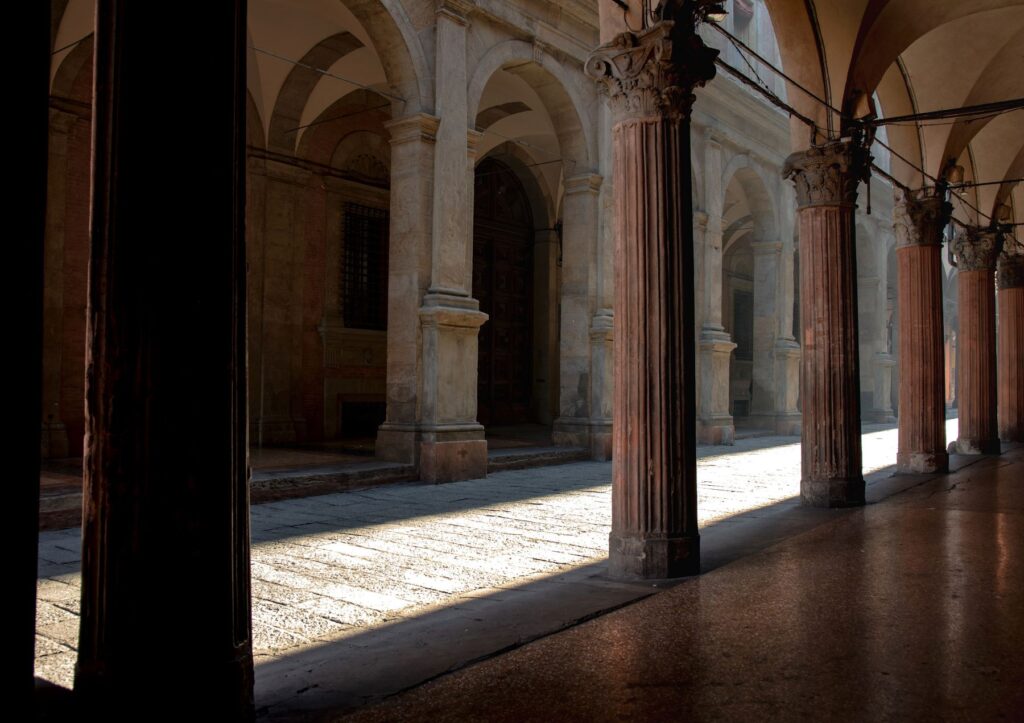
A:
(503, 283)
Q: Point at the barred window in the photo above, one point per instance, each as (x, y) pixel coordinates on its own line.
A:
(364, 267)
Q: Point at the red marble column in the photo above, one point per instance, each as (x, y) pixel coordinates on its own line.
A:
(976, 252)
(921, 218)
(826, 179)
(650, 77)
(1010, 282)
(165, 615)
(27, 90)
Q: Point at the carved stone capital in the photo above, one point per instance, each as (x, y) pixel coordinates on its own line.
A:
(1010, 272)
(654, 72)
(920, 217)
(977, 249)
(828, 175)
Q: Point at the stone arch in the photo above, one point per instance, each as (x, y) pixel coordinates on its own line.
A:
(543, 203)
(69, 72)
(566, 103)
(254, 136)
(756, 186)
(361, 110)
(401, 54)
(299, 85)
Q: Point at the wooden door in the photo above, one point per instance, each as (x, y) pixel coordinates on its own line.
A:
(503, 284)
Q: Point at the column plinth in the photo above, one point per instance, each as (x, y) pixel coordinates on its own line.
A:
(921, 218)
(826, 179)
(976, 253)
(1010, 281)
(650, 77)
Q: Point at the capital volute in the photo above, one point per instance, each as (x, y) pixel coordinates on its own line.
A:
(977, 249)
(653, 72)
(828, 174)
(920, 217)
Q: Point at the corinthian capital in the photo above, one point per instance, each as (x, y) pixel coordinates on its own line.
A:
(828, 175)
(1010, 273)
(653, 72)
(920, 217)
(977, 249)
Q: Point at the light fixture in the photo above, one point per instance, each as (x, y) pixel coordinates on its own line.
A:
(715, 12)
(954, 175)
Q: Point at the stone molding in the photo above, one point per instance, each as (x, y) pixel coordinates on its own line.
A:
(828, 174)
(653, 73)
(920, 217)
(419, 127)
(457, 11)
(977, 249)
(1010, 271)
(583, 183)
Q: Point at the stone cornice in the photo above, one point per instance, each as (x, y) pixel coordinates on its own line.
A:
(977, 249)
(653, 73)
(585, 182)
(419, 127)
(920, 217)
(829, 174)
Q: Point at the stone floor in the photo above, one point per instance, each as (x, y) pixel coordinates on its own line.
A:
(367, 582)
(909, 610)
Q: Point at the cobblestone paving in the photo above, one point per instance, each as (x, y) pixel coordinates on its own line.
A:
(329, 567)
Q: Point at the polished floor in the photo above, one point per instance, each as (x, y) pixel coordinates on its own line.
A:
(908, 609)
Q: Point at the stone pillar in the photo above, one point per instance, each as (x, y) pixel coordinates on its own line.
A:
(716, 346)
(165, 614)
(412, 170)
(452, 443)
(1011, 347)
(579, 246)
(826, 179)
(921, 219)
(28, 91)
(602, 372)
(767, 260)
(977, 250)
(650, 77)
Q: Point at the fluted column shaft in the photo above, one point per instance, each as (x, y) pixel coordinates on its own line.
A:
(1011, 348)
(654, 494)
(920, 220)
(826, 179)
(165, 614)
(977, 251)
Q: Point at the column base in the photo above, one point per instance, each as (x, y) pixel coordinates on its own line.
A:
(832, 492)
(571, 432)
(879, 416)
(601, 440)
(975, 446)
(453, 455)
(789, 425)
(397, 443)
(655, 557)
(717, 431)
(922, 462)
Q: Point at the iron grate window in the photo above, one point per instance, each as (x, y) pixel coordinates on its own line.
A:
(364, 267)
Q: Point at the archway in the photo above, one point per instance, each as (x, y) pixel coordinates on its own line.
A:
(503, 277)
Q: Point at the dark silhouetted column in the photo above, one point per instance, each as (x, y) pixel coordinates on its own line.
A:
(826, 179)
(921, 218)
(27, 51)
(165, 567)
(976, 252)
(1010, 282)
(650, 78)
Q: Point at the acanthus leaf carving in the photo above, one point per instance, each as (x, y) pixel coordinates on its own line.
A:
(920, 217)
(828, 174)
(977, 249)
(1010, 272)
(653, 72)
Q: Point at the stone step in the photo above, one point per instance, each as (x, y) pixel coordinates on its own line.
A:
(527, 457)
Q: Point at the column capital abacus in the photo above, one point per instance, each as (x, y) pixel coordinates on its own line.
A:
(920, 217)
(977, 249)
(654, 72)
(828, 174)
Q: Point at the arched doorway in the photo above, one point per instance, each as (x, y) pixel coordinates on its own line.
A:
(503, 284)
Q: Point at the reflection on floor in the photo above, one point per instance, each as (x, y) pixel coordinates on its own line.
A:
(912, 609)
(341, 579)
